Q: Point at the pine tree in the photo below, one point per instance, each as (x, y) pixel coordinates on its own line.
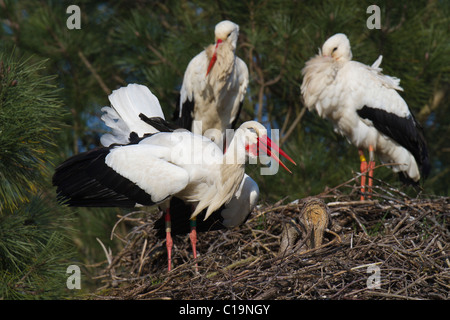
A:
(34, 237)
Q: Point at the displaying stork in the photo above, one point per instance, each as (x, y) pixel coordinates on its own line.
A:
(214, 86)
(140, 165)
(365, 107)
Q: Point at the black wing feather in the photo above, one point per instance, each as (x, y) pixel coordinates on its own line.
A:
(407, 132)
(85, 180)
(233, 124)
(187, 114)
(159, 124)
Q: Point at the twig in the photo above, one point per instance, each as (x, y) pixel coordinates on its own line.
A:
(352, 203)
(363, 228)
(439, 244)
(234, 265)
(121, 219)
(108, 253)
(94, 72)
(141, 259)
(269, 294)
(390, 295)
(293, 126)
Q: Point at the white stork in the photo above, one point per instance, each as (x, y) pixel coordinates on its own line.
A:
(231, 214)
(214, 86)
(365, 107)
(142, 166)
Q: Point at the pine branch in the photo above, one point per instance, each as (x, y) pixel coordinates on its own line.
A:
(97, 77)
(293, 125)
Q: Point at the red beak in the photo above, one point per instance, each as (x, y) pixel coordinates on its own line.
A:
(267, 146)
(214, 57)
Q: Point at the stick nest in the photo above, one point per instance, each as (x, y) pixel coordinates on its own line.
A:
(331, 246)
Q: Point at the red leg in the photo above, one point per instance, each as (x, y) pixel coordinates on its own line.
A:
(371, 167)
(169, 242)
(363, 170)
(193, 238)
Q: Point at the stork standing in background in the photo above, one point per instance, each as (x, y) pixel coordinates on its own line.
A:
(212, 94)
(214, 86)
(365, 107)
(142, 166)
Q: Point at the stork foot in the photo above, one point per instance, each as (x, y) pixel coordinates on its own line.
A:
(193, 238)
(169, 241)
(363, 169)
(370, 168)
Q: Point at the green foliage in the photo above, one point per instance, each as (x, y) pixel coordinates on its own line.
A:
(34, 252)
(35, 247)
(29, 115)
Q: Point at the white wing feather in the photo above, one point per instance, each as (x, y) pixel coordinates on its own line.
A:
(376, 64)
(194, 78)
(146, 165)
(242, 203)
(123, 115)
(374, 89)
(242, 71)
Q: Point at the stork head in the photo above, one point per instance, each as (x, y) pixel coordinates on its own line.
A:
(254, 137)
(225, 31)
(337, 47)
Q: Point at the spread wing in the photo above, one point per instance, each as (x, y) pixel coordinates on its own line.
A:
(121, 176)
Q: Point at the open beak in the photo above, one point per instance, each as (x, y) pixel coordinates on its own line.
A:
(214, 57)
(267, 146)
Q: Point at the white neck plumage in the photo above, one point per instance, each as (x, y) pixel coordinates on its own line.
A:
(232, 171)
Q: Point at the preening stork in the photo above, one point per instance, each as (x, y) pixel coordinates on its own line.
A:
(365, 107)
(214, 86)
(141, 166)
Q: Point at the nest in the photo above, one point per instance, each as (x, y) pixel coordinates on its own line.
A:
(331, 246)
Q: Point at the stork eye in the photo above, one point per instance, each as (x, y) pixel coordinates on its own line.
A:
(334, 49)
(252, 130)
(229, 35)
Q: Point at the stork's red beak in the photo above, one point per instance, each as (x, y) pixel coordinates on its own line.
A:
(268, 145)
(214, 57)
